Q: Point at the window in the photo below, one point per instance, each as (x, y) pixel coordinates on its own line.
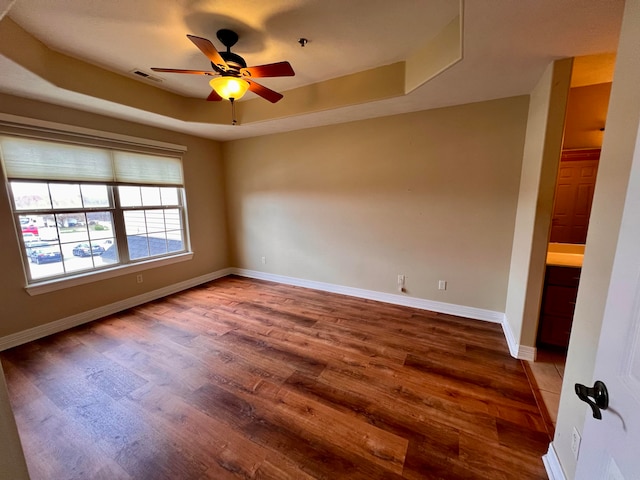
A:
(86, 209)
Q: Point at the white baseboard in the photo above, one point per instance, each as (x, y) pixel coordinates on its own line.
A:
(552, 464)
(527, 353)
(518, 351)
(56, 326)
(406, 301)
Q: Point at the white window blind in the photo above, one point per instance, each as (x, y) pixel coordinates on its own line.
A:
(148, 169)
(26, 158)
(36, 159)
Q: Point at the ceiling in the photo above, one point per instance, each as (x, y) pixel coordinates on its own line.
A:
(365, 58)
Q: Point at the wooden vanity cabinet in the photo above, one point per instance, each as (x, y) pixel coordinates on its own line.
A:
(558, 305)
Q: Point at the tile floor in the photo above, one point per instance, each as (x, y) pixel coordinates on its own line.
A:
(547, 372)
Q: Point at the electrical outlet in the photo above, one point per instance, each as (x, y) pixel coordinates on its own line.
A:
(575, 442)
(401, 280)
(264, 260)
(139, 278)
(442, 284)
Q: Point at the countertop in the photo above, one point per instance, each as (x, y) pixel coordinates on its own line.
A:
(565, 255)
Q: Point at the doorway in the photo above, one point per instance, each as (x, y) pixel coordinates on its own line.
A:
(577, 173)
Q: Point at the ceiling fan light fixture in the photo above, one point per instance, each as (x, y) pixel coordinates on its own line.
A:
(229, 87)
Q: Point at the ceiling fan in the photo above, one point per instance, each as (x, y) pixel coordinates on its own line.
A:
(232, 76)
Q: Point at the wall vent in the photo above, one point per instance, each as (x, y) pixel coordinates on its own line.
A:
(145, 75)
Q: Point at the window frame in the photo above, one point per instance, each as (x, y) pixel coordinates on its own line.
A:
(119, 233)
(52, 132)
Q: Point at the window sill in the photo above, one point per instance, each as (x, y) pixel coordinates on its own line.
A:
(83, 279)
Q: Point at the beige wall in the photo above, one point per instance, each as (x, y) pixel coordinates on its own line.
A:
(535, 203)
(205, 200)
(431, 195)
(623, 121)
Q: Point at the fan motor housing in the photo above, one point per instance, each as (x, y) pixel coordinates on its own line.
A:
(233, 60)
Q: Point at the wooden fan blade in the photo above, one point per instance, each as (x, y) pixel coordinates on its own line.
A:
(214, 97)
(264, 92)
(176, 70)
(280, 69)
(209, 50)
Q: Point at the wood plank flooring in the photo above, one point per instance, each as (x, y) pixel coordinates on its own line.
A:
(247, 379)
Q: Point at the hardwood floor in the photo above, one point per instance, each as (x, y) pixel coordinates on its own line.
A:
(241, 378)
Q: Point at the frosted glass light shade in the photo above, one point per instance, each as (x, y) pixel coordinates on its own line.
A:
(229, 87)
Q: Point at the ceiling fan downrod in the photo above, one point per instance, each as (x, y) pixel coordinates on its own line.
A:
(234, 122)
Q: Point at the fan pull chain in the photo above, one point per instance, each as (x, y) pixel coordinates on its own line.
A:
(233, 112)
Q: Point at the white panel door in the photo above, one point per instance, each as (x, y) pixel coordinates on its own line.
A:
(611, 447)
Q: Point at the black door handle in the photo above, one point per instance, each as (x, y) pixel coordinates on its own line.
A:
(599, 394)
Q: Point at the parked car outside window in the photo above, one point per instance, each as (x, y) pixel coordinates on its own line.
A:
(85, 250)
(30, 229)
(44, 254)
